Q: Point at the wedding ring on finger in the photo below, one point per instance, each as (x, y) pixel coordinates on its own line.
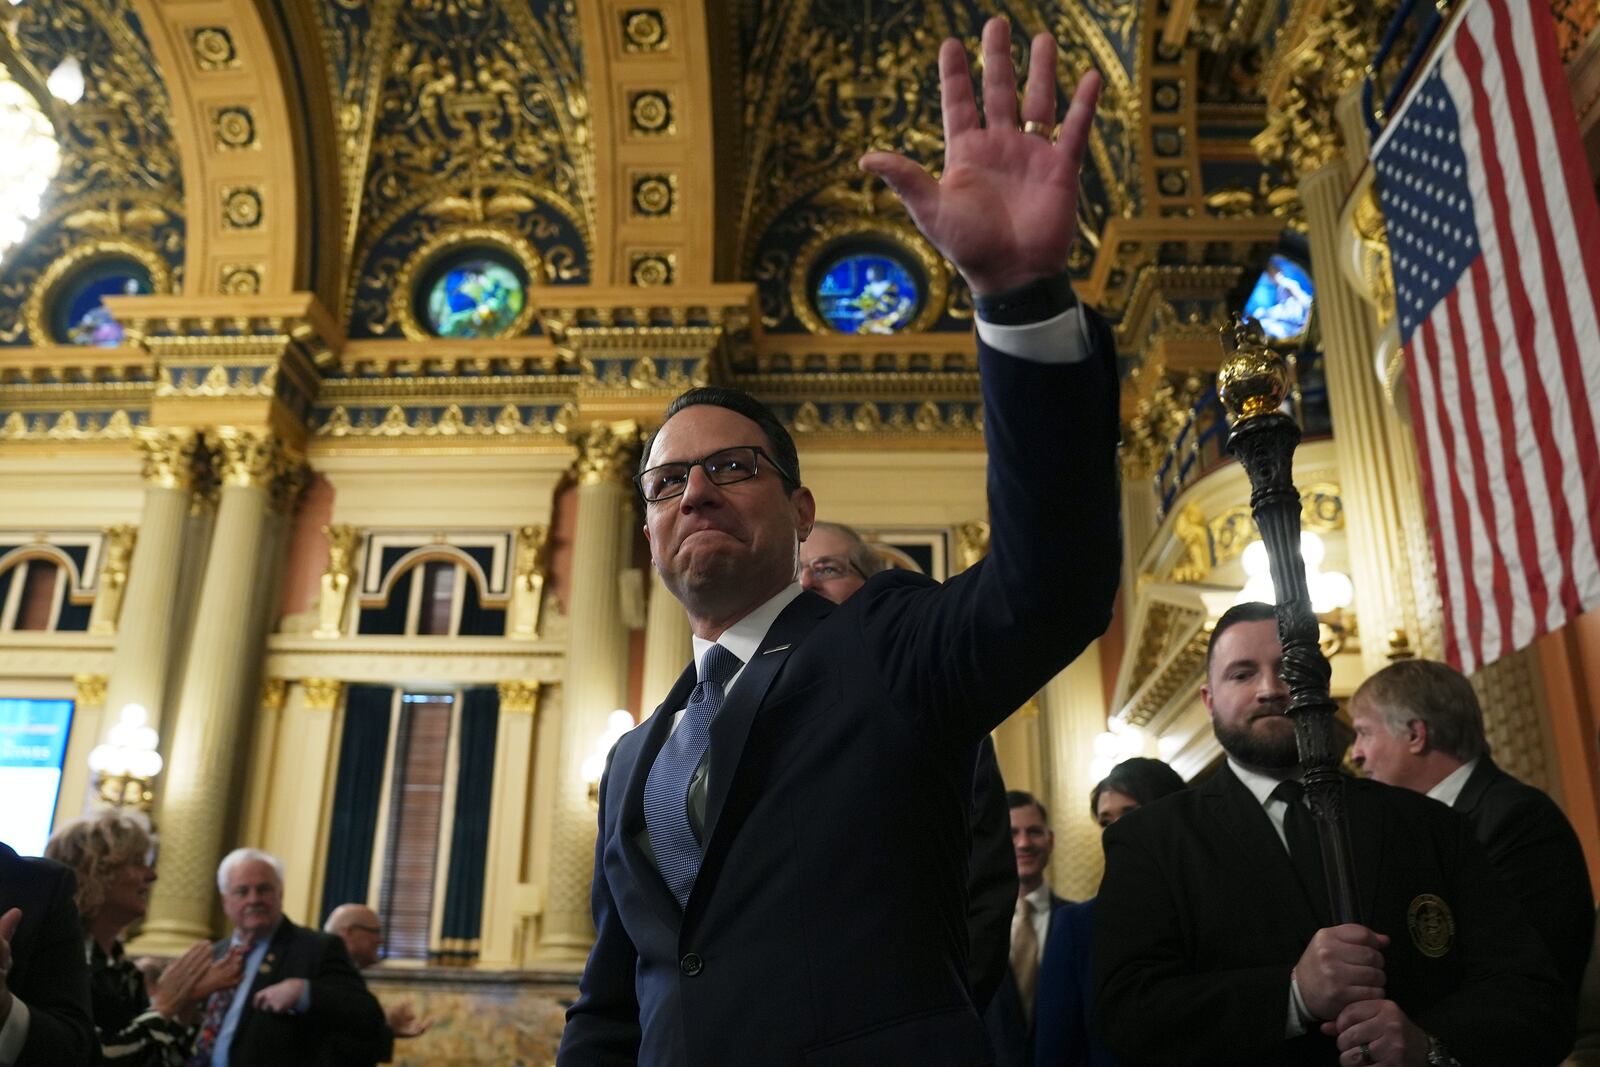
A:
(1041, 129)
(1366, 1053)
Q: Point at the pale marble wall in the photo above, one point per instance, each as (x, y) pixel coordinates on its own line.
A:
(503, 1018)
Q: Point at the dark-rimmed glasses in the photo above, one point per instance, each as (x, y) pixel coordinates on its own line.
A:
(830, 568)
(739, 464)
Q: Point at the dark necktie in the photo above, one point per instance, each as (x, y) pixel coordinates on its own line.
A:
(1305, 847)
(666, 789)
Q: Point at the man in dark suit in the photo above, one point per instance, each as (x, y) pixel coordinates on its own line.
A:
(361, 930)
(1419, 726)
(303, 1002)
(1213, 938)
(835, 563)
(44, 981)
(781, 879)
(1010, 1017)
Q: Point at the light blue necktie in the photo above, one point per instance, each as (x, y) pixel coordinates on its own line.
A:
(666, 790)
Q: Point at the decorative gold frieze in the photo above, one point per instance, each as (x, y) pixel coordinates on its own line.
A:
(233, 128)
(322, 694)
(475, 422)
(334, 591)
(643, 30)
(650, 112)
(648, 269)
(1208, 543)
(527, 590)
(274, 694)
(213, 48)
(115, 425)
(89, 690)
(169, 457)
(607, 452)
(241, 207)
(117, 548)
(520, 697)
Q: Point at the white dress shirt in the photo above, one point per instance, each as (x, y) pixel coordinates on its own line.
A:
(1448, 791)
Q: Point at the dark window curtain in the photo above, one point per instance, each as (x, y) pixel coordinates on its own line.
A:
(356, 795)
(477, 620)
(5, 585)
(72, 618)
(391, 618)
(469, 839)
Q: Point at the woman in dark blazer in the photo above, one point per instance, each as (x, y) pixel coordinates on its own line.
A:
(1063, 1035)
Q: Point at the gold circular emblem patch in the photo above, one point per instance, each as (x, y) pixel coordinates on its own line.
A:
(1432, 924)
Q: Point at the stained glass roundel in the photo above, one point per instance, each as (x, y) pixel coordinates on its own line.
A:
(868, 292)
(79, 315)
(474, 294)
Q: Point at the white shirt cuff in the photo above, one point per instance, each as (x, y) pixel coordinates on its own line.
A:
(14, 1034)
(1298, 1012)
(1063, 338)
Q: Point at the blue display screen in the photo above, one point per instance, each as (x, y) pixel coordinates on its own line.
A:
(1281, 299)
(868, 293)
(33, 746)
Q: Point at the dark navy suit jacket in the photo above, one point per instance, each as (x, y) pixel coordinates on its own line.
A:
(828, 923)
(48, 970)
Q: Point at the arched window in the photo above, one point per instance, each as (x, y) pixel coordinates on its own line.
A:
(33, 594)
(433, 597)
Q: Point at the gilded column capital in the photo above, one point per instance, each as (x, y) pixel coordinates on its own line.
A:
(322, 694)
(607, 452)
(1302, 131)
(972, 542)
(274, 693)
(528, 583)
(520, 697)
(89, 690)
(248, 458)
(171, 459)
(335, 585)
(118, 555)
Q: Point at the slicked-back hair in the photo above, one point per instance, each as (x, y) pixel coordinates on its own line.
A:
(865, 560)
(1140, 779)
(779, 444)
(1249, 611)
(1436, 693)
(1021, 798)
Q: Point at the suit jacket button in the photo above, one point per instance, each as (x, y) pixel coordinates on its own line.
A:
(691, 964)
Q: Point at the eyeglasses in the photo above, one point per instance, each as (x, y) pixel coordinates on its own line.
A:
(667, 480)
(830, 568)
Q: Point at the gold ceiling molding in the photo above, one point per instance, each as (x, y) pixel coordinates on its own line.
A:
(1210, 542)
(418, 423)
(1163, 657)
(1130, 244)
(935, 354)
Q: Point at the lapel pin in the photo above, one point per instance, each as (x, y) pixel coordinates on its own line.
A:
(780, 648)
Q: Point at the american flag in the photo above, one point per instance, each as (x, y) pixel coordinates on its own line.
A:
(1494, 235)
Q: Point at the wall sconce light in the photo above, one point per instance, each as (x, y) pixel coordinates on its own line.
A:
(1121, 740)
(619, 723)
(128, 762)
(1330, 590)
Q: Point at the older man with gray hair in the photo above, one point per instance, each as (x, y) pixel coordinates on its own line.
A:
(304, 999)
(1419, 726)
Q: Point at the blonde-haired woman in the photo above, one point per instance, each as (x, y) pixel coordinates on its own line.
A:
(113, 855)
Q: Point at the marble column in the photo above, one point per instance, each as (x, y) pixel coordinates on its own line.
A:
(151, 606)
(205, 769)
(668, 644)
(1073, 710)
(596, 681)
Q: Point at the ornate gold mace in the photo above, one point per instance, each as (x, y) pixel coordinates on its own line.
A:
(1253, 383)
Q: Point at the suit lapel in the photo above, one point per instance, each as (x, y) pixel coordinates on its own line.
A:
(630, 822)
(732, 724)
(1477, 782)
(270, 970)
(1237, 809)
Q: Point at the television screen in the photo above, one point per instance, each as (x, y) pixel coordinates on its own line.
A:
(1281, 299)
(33, 746)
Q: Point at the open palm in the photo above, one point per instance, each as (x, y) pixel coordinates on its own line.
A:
(1005, 210)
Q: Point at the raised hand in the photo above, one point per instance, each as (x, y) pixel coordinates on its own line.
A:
(175, 990)
(1341, 965)
(1005, 210)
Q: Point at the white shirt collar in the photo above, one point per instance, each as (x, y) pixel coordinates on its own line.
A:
(1039, 899)
(744, 637)
(1260, 783)
(1449, 788)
